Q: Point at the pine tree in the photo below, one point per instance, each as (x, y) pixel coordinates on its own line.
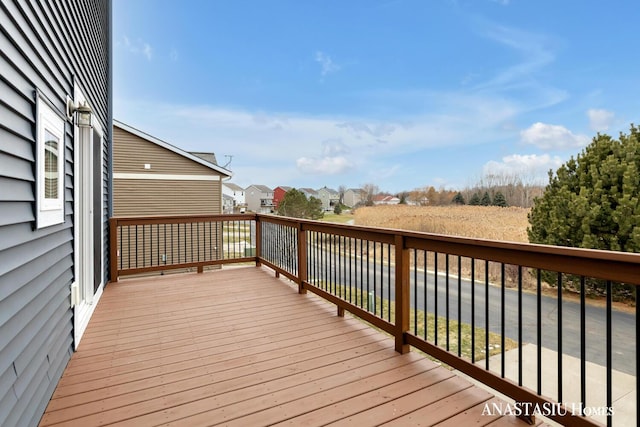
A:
(486, 199)
(593, 201)
(314, 208)
(475, 200)
(458, 199)
(499, 200)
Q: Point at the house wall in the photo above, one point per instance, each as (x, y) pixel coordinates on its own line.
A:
(174, 184)
(49, 47)
(255, 197)
(352, 198)
(237, 195)
(278, 196)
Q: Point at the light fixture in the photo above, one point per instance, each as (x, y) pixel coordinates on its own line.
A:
(82, 113)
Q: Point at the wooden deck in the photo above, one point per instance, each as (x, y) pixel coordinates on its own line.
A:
(239, 347)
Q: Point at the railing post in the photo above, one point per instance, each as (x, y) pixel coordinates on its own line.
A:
(113, 249)
(402, 294)
(302, 259)
(258, 240)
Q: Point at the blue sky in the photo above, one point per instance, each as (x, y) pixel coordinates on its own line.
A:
(399, 93)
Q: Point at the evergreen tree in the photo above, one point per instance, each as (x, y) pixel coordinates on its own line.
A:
(593, 201)
(458, 199)
(337, 209)
(295, 205)
(499, 200)
(314, 208)
(475, 200)
(486, 199)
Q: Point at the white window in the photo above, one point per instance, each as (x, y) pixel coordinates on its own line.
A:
(50, 165)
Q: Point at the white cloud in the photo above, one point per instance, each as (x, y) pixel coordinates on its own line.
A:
(327, 64)
(324, 165)
(530, 167)
(600, 120)
(552, 137)
(138, 47)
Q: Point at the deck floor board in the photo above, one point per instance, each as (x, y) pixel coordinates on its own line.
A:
(241, 347)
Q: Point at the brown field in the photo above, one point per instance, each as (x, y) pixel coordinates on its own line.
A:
(485, 222)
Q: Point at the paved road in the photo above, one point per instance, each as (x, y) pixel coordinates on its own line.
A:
(623, 349)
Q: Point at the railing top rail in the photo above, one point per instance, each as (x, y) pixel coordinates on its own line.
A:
(607, 265)
(179, 219)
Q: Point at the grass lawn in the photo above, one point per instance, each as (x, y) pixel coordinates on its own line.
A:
(340, 219)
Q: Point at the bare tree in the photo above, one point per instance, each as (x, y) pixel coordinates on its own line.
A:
(369, 191)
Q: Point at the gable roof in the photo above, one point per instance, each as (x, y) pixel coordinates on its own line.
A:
(283, 187)
(232, 186)
(331, 191)
(262, 188)
(308, 191)
(172, 148)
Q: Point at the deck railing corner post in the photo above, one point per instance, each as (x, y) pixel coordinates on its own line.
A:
(302, 258)
(402, 297)
(258, 240)
(113, 249)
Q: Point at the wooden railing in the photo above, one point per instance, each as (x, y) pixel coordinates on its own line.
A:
(459, 300)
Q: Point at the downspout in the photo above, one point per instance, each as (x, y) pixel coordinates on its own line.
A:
(110, 127)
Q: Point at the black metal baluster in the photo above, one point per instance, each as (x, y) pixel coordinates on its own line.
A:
(559, 337)
(361, 274)
(375, 260)
(435, 295)
(367, 296)
(520, 325)
(415, 292)
(502, 318)
(473, 310)
(388, 282)
(137, 247)
(539, 328)
(486, 314)
(446, 302)
(424, 284)
(460, 306)
(583, 343)
(637, 358)
(609, 354)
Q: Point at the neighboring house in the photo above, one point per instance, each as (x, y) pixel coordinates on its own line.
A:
(55, 145)
(353, 197)
(228, 204)
(381, 199)
(153, 177)
(309, 192)
(237, 193)
(278, 194)
(259, 198)
(329, 197)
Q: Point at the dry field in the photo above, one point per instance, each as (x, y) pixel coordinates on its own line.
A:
(485, 222)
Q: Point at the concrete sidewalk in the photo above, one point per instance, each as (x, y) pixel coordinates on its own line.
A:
(624, 393)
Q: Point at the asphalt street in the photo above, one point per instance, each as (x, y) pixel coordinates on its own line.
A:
(623, 324)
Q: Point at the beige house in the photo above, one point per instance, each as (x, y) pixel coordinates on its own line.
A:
(153, 177)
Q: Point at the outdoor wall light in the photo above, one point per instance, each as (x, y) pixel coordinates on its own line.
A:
(82, 113)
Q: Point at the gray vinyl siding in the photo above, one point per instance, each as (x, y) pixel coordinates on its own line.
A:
(44, 46)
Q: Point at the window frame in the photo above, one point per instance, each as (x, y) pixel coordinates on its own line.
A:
(50, 211)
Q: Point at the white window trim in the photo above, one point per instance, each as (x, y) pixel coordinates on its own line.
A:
(49, 211)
